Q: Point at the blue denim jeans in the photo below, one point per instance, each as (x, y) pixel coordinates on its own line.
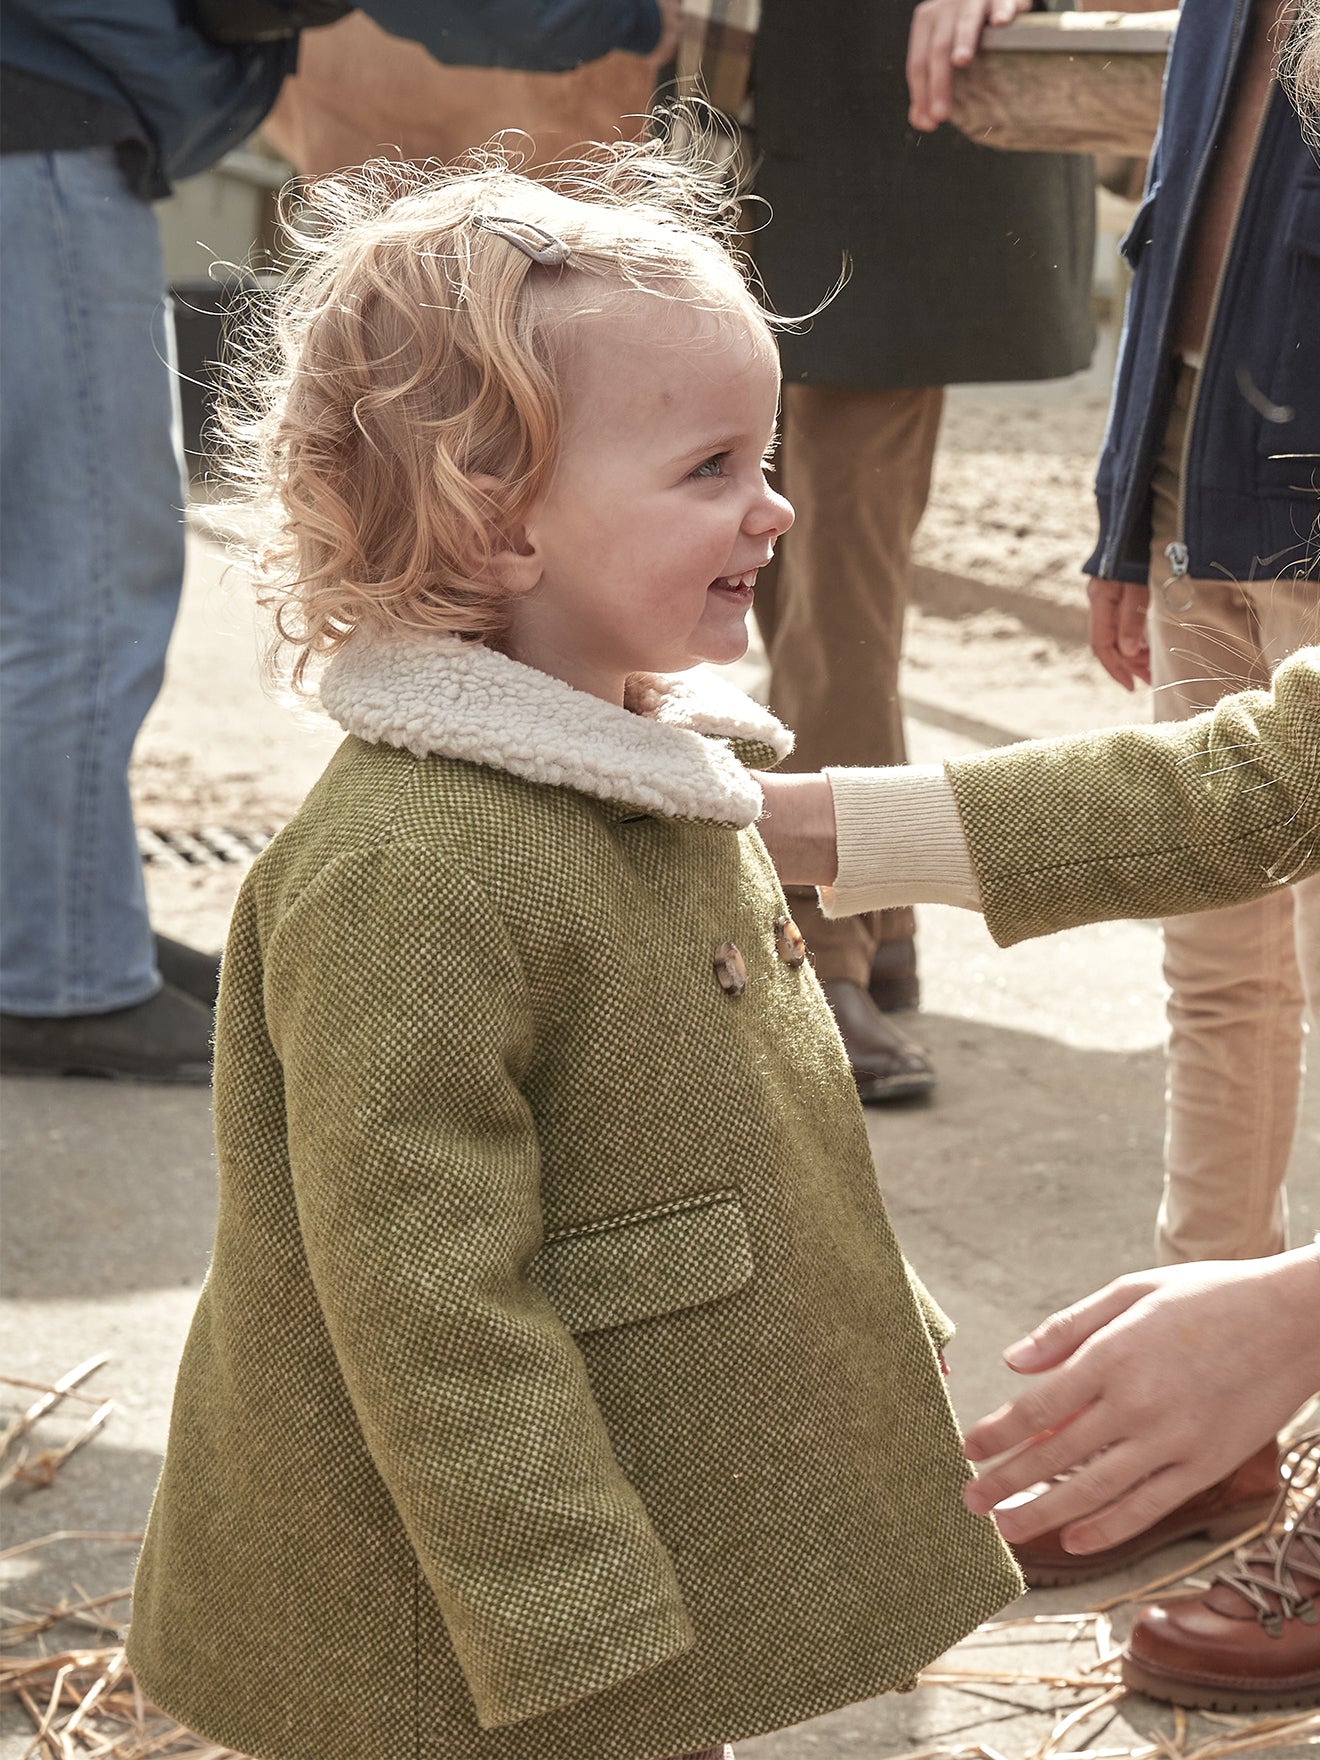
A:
(91, 565)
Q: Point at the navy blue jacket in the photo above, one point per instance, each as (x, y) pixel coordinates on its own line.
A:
(197, 99)
(1248, 508)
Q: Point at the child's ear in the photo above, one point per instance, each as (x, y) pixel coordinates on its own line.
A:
(511, 561)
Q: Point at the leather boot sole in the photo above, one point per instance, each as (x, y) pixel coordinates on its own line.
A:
(1216, 1529)
(1208, 1694)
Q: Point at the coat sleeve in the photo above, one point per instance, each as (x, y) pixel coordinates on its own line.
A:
(398, 1008)
(1149, 821)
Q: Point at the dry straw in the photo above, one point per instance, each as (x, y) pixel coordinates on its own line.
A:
(83, 1704)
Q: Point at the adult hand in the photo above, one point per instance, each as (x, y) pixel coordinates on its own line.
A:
(944, 35)
(1151, 1389)
(1118, 629)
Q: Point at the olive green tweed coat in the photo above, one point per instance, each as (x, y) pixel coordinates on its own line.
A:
(558, 1391)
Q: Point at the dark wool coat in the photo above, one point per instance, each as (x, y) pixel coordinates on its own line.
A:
(559, 1391)
(967, 263)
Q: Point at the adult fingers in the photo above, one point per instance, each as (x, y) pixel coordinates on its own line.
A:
(1091, 1485)
(1104, 596)
(917, 79)
(946, 34)
(972, 18)
(1059, 1336)
(1133, 643)
(1144, 1504)
(1047, 1406)
(1060, 1447)
(930, 44)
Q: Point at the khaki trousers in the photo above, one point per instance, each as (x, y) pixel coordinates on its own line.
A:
(856, 465)
(1239, 979)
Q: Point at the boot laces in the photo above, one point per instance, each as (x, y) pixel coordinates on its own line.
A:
(1268, 1574)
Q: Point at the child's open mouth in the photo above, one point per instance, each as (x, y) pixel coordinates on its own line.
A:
(738, 587)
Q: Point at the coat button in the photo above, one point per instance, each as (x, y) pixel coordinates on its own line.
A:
(730, 969)
(789, 945)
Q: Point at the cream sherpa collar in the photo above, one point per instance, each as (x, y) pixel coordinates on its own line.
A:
(665, 752)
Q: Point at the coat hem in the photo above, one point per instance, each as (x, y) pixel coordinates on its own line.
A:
(732, 1729)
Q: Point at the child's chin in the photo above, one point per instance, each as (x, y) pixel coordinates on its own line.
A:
(724, 649)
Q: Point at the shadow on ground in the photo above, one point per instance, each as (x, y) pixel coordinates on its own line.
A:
(110, 1188)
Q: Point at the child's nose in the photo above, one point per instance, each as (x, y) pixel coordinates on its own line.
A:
(773, 514)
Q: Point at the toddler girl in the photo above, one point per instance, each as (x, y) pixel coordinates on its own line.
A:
(558, 1391)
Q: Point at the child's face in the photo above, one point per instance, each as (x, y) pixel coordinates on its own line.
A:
(659, 514)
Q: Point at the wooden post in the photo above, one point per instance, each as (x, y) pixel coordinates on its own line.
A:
(1070, 82)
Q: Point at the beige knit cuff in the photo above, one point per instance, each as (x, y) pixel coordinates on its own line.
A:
(900, 841)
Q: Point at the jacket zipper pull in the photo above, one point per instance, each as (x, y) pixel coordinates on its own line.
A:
(1179, 561)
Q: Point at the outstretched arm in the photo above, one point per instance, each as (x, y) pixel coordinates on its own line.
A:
(1124, 822)
(1149, 1390)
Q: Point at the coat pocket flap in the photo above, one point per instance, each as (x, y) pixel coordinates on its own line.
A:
(647, 1263)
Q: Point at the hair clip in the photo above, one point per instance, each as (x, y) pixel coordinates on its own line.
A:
(551, 251)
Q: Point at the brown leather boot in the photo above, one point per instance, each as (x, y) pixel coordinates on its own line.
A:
(1228, 1507)
(886, 1065)
(1252, 1641)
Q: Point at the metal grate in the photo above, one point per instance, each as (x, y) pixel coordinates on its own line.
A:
(210, 846)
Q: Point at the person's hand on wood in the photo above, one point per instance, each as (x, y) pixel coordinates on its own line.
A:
(1118, 629)
(944, 35)
(1149, 1390)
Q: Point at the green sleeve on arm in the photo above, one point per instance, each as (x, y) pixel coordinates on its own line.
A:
(399, 1011)
(1149, 821)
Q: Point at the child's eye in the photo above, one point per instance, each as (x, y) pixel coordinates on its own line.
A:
(712, 466)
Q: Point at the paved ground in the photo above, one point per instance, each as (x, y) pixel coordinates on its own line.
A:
(1030, 1179)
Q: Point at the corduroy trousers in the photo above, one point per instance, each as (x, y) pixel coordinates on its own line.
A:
(1240, 980)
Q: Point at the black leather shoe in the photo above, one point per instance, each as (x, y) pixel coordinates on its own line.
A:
(188, 969)
(165, 1039)
(886, 1065)
(894, 984)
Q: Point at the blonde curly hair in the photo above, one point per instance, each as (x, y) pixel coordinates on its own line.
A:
(412, 360)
